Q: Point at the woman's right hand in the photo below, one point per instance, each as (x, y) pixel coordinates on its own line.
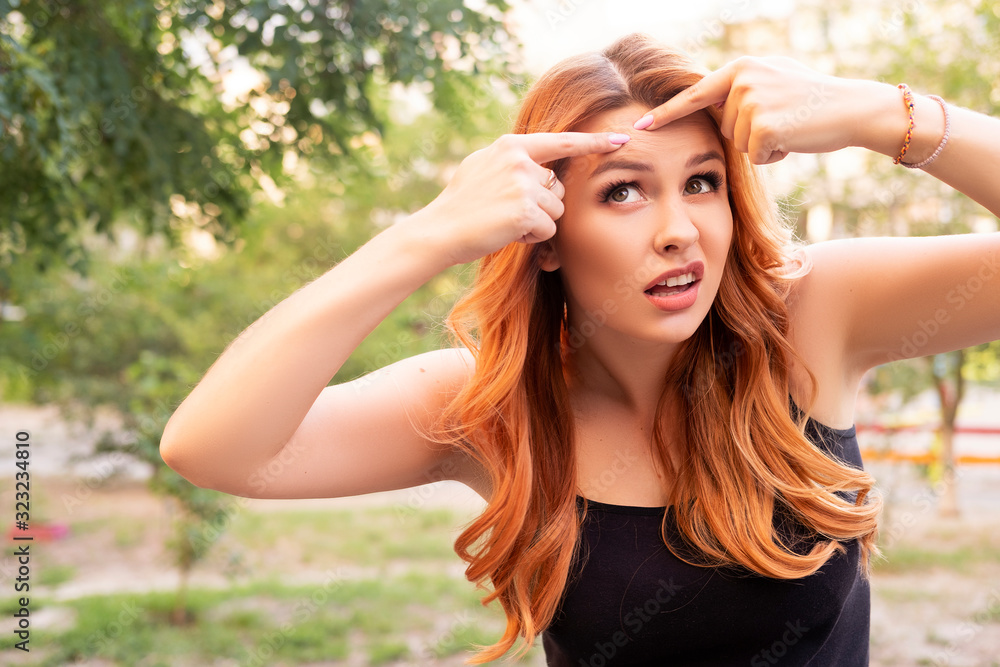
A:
(498, 195)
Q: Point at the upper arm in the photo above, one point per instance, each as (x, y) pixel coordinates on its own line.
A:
(874, 300)
(370, 434)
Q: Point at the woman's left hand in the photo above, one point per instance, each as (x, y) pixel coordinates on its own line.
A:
(772, 107)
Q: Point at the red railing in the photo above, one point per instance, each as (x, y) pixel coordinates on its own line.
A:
(925, 458)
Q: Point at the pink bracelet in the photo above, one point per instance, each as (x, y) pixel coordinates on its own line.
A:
(944, 138)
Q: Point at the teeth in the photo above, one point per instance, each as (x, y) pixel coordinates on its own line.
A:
(674, 281)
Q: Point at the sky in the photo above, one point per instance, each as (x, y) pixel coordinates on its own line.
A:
(555, 29)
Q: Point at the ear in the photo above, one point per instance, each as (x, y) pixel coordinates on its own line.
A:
(548, 258)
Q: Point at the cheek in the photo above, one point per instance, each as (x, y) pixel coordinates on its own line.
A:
(717, 238)
(575, 239)
(595, 258)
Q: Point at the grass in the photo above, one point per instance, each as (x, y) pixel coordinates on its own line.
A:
(53, 575)
(989, 615)
(268, 623)
(390, 593)
(907, 595)
(386, 651)
(131, 535)
(372, 537)
(910, 557)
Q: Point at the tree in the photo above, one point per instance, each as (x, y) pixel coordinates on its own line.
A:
(120, 110)
(115, 115)
(138, 331)
(949, 383)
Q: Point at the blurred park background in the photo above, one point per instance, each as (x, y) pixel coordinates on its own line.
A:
(170, 170)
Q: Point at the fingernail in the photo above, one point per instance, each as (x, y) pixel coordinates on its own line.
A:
(618, 138)
(644, 122)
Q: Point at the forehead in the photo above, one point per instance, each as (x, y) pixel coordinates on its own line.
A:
(669, 145)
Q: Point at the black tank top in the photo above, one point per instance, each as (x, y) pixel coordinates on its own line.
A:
(634, 603)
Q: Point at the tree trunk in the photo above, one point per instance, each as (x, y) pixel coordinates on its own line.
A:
(179, 614)
(950, 388)
(948, 497)
(186, 558)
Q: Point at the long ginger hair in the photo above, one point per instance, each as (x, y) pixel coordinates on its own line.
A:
(740, 455)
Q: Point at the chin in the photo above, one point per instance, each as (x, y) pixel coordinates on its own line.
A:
(675, 332)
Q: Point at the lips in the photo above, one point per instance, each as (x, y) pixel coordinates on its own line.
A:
(681, 277)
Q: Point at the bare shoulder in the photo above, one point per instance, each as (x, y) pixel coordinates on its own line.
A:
(426, 384)
(870, 301)
(448, 371)
(817, 334)
(436, 374)
(375, 433)
(422, 387)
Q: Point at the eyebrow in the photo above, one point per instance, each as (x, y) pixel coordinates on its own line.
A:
(633, 165)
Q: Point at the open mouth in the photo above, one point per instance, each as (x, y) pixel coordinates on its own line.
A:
(673, 285)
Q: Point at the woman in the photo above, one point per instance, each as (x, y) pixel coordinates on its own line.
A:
(640, 350)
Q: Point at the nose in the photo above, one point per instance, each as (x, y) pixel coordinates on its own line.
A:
(675, 231)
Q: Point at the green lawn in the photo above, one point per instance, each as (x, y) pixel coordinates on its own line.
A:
(385, 587)
(268, 623)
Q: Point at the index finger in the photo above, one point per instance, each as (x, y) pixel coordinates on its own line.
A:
(712, 89)
(545, 147)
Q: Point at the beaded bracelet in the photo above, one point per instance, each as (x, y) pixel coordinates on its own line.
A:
(908, 101)
(944, 137)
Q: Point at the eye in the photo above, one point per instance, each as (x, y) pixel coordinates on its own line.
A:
(702, 183)
(697, 186)
(621, 193)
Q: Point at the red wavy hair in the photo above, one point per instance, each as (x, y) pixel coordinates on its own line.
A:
(741, 457)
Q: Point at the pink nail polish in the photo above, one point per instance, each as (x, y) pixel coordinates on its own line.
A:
(644, 122)
(618, 138)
